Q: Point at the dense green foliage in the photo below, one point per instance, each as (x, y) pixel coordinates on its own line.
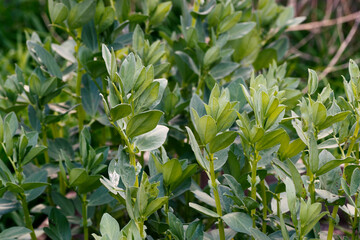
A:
(170, 120)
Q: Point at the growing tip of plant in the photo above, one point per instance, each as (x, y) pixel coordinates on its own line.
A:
(312, 81)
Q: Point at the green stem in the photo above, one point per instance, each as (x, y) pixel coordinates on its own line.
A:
(332, 222)
(28, 221)
(129, 149)
(84, 216)
(141, 229)
(200, 84)
(195, 9)
(217, 197)
(311, 188)
(62, 184)
(80, 109)
(263, 190)
(253, 184)
(355, 236)
(278, 204)
(44, 138)
(166, 209)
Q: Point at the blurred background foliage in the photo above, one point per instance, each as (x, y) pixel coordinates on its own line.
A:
(326, 40)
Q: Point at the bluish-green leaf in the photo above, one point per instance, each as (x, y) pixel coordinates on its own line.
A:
(143, 123)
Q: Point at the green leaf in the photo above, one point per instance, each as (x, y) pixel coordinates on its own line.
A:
(284, 230)
(152, 140)
(32, 185)
(162, 10)
(78, 177)
(299, 186)
(154, 205)
(312, 224)
(176, 226)
(355, 182)
(318, 113)
(189, 61)
(222, 141)
(234, 185)
(15, 233)
(312, 81)
(120, 111)
(109, 226)
(211, 55)
(138, 40)
(333, 164)
(35, 184)
(33, 153)
(127, 72)
(7, 206)
(258, 235)
(294, 148)
(206, 128)
(229, 22)
(58, 12)
(106, 19)
(291, 198)
(23, 143)
(204, 210)
(143, 123)
(330, 197)
(240, 30)
(271, 139)
(110, 61)
(14, 188)
(313, 154)
(148, 97)
(265, 58)
(330, 120)
(354, 71)
(196, 149)
(12, 122)
(171, 171)
(195, 231)
(238, 221)
(43, 57)
(66, 205)
(59, 227)
(90, 96)
(223, 69)
(81, 13)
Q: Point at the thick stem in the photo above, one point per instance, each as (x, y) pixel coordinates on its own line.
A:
(311, 188)
(217, 198)
(84, 216)
(141, 229)
(355, 236)
(28, 221)
(166, 209)
(195, 9)
(200, 84)
(62, 184)
(332, 222)
(253, 184)
(264, 200)
(80, 109)
(44, 138)
(129, 149)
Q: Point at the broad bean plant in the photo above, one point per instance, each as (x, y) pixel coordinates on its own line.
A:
(178, 120)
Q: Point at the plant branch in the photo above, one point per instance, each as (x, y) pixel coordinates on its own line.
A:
(324, 23)
(217, 197)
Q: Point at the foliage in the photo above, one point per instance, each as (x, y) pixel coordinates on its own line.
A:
(152, 109)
